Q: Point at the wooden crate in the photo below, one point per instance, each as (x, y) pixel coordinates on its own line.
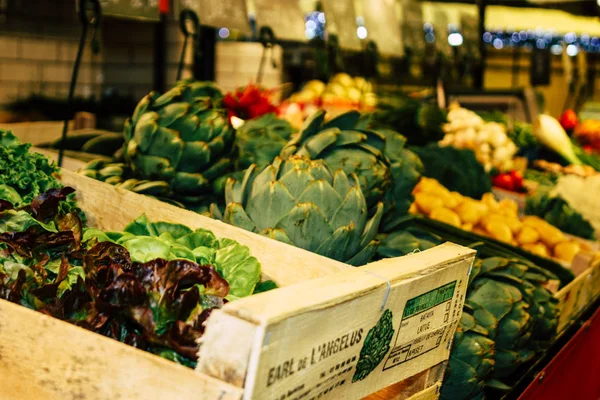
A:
(295, 342)
(575, 297)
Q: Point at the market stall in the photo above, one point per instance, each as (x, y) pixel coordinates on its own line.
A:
(288, 200)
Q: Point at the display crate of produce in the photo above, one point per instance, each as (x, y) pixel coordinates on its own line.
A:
(579, 282)
(330, 331)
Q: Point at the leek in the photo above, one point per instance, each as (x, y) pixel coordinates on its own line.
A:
(549, 131)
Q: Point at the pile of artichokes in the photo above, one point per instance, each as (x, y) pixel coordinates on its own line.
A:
(326, 189)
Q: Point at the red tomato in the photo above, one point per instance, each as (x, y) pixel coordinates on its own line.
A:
(517, 179)
(503, 181)
(568, 119)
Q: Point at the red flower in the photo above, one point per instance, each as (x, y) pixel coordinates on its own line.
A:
(248, 102)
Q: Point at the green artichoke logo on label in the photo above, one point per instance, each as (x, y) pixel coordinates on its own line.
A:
(375, 347)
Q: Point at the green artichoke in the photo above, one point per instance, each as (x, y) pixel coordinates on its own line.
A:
(182, 137)
(471, 360)
(405, 241)
(342, 143)
(121, 176)
(302, 202)
(406, 170)
(260, 140)
(420, 123)
(520, 314)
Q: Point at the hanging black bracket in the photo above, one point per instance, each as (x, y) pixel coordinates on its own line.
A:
(188, 18)
(334, 54)
(90, 15)
(266, 37)
(371, 58)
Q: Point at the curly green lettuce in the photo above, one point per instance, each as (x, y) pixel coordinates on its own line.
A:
(24, 175)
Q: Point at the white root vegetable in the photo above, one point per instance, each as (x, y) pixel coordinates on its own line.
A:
(467, 130)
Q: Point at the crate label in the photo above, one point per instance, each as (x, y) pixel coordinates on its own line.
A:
(417, 328)
(376, 348)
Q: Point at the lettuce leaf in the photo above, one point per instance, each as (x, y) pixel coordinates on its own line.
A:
(20, 221)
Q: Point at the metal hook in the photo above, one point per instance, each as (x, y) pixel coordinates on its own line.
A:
(188, 15)
(333, 51)
(266, 37)
(92, 19)
(87, 19)
(371, 55)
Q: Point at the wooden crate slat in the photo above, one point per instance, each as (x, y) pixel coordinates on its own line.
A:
(575, 297)
(45, 358)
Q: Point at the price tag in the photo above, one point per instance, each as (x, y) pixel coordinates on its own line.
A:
(383, 26)
(285, 17)
(133, 9)
(231, 14)
(341, 20)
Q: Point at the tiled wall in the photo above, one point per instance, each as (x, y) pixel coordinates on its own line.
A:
(237, 65)
(39, 41)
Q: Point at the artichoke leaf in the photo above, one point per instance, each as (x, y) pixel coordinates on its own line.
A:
(372, 226)
(143, 133)
(217, 169)
(270, 204)
(177, 112)
(296, 181)
(341, 183)
(166, 143)
(235, 215)
(345, 121)
(195, 157)
(142, 107)
(317, 144)
(169, 96)
(342, 244)
(353, 208)
(306, 226)
(365, 254)
(156, 168)
(322, 195)
(192, 183)
(350, 137)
